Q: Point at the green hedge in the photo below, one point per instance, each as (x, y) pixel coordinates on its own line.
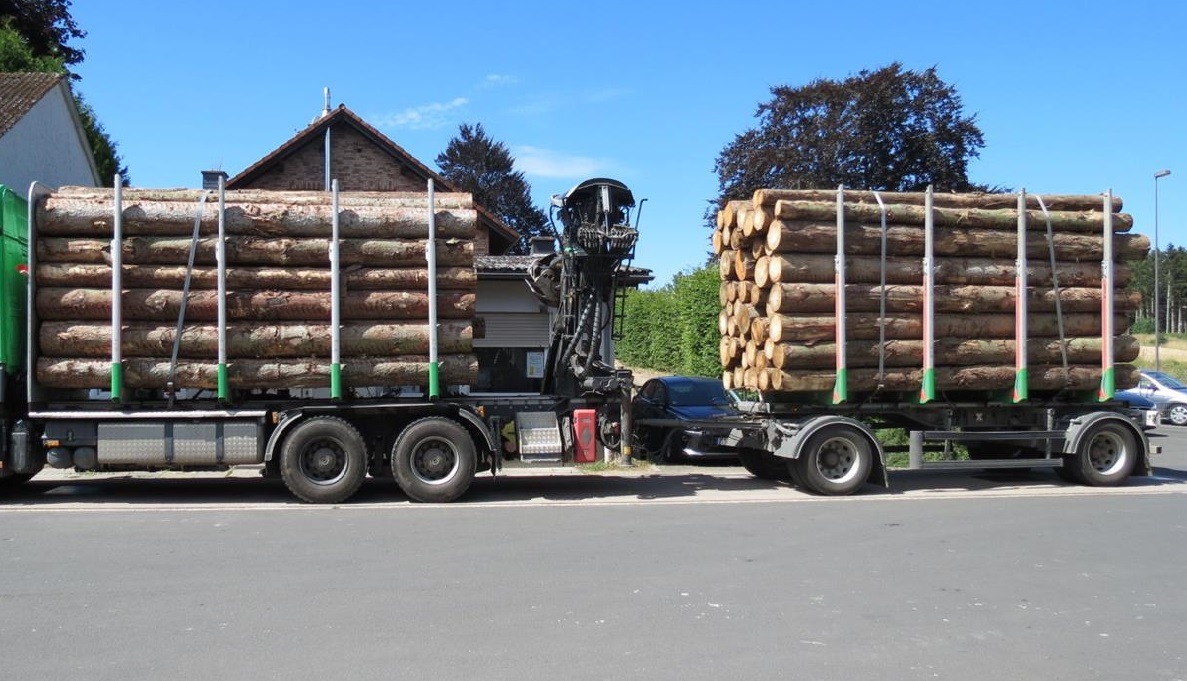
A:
(674, 328)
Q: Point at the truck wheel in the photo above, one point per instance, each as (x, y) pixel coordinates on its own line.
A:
(1105, 457)
(324, 460)
(1177, 414)
(764, 465)
(835, 461)
(433, 460)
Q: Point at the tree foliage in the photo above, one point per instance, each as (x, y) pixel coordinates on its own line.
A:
(18, 53)
(475, 163)
(891, 129)
(47, 27)
(674, 328)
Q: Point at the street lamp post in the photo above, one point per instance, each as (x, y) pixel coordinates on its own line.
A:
(1157, 335)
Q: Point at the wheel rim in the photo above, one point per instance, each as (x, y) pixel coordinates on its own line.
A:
(1108, 453)
(434, 460)
(1178, 414)
(838, 459)
(323, 462)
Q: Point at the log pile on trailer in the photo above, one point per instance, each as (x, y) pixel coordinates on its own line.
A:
(781, 273)
(278, 283)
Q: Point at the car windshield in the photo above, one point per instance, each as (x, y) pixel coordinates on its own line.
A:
(699, 393)
(1168, 380)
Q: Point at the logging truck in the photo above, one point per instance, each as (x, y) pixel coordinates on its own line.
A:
(326, 336)
(992, 325)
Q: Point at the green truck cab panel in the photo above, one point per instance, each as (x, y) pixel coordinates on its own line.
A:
(14, 256)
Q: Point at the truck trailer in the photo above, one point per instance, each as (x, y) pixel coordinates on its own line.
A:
(990, 325)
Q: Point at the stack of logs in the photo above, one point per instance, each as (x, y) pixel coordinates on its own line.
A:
(278, 281)
(778, 326)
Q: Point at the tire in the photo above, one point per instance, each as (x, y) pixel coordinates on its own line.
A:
(1177, 414)
(672, 450)
(433, 460)
(1105, 456)
(835, 461)
(764, 465)
(323, 460)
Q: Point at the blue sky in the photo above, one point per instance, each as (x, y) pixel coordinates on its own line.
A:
(1072, 97)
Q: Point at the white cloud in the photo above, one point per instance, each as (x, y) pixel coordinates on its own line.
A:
(424, 117)
(494, 80)
(605, 95)
(539, 162)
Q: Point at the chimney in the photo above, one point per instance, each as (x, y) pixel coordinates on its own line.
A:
(210, 178)
(542, 245)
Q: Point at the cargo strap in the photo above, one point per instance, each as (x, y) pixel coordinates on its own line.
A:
(1067, 377)
(170, 387)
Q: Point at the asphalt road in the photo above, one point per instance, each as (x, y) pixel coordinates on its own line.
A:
(683, 573)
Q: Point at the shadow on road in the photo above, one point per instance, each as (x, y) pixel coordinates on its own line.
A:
(710, 483)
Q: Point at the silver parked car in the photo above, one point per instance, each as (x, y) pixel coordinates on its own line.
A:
(1168, 393)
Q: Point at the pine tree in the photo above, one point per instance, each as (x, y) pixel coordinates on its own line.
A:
(475, 163)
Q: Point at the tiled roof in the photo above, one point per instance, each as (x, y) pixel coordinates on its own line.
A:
(345, 115)
(19, 92)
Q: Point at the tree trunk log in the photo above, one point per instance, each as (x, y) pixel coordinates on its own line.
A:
(253, 341)
(60, 304)
(865, 269)
(1059, 202)
(93, 217)
(977, 378)
(297, 198)
(809, 298)
(998, 218)
(819, 237)
(949, 352)
(255, 374)
(255, 278)
(863, 326)
(258, 251)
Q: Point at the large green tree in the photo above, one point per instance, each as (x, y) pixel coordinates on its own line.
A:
(475, 163)
(891, 129)
(47, 26)
(33, 37)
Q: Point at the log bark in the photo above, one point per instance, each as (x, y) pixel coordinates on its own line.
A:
(800, 237)
(1061, 202)
(997, 218)
(866, 269)
(93, 217)
(976, 378)
(808, 298)
(152, 374)
(258, 251)
(865, 326)
(948, 352)
(61, 304)
(257, 278)
(253, 341)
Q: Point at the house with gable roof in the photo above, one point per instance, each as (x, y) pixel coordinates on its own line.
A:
(42, 138)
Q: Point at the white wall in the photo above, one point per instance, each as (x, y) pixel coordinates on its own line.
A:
(507, 296)
(46, 146)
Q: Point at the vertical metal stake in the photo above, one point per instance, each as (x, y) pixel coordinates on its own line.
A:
(117, 294)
